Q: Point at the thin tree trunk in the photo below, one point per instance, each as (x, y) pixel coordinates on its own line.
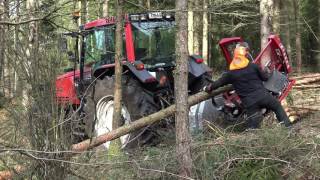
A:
(205, 32)
(266, 7)
(196, 27)
(287, 13)
(318, 53)
(181, 91)
(276, 17)
(105, 8)
(7, 64)
(148, 5)
(190, 27)
(30, 52)
(116, 122)
(298, 35)
(2, 47)
(83, 10)
(17, 82)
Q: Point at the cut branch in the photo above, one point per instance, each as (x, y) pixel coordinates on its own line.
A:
(21, 22)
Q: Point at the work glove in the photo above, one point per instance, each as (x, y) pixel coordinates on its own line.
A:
(208, 88)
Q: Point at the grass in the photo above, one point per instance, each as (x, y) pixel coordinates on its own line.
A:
(267, 153)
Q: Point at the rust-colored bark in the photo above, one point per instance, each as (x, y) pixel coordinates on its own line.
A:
(183, 139)
(116, 121)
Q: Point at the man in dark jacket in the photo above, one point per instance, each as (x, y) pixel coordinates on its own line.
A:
(247, 79)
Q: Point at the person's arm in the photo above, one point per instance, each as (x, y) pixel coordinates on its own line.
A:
(264, 76)
(223, 80)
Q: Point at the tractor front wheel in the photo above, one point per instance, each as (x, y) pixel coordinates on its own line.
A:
(99, 106)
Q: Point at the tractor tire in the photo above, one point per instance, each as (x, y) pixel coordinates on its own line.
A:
(137, 103)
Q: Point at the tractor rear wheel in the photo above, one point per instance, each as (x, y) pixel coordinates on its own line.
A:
(99, 106)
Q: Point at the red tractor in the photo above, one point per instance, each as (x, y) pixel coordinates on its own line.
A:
(148, 67)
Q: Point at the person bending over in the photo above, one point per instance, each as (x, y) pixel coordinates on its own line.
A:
(247, 79)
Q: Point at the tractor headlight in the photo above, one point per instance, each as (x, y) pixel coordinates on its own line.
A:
(168, 16)
(143, 17)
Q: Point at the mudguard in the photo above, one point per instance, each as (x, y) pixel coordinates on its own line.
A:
(143, 75)
(196, 66)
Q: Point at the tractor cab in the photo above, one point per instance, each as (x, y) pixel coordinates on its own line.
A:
(148, 38)
(148, 51)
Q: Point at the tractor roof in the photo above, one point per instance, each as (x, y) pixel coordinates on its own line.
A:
(149, 16)
(100, 22)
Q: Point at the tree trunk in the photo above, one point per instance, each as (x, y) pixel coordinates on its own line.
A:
(298, 35)
(196, 27)
(116, 122)
(183, 139)
(83, 10)
(1, 47)
(205, 32)
(105, 9)
(266, 7)
(7, 63)
(17, 80)
(288, 6)
(276, 17)
(30, 52)
(318, 53)
(190, 27)
(148, 5)
(145, 121)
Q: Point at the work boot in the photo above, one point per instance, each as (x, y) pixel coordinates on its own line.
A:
(283, 124)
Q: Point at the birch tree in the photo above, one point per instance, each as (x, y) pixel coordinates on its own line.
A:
(105, 8)
(190, 27)
(266, 7)
(276, 17)
(205, 32)
(196, 27)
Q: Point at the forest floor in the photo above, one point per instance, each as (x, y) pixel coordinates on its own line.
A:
(271, 152)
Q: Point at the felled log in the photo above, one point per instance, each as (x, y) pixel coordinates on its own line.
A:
(297, 112)
(307, 80)
(307, 76)
(307, 86)
(143, 122)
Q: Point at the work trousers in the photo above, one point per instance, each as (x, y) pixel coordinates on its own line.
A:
(270, 103)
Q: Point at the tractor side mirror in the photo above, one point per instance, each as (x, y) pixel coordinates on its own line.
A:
(71, 56)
